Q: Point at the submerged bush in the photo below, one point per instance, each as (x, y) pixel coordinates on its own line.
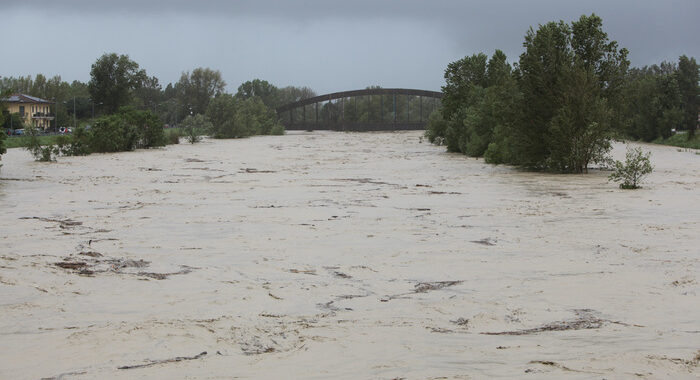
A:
(637, 165)
(44, 153)
(277, 130)
(172, 136)
(75, 144)
(195, 126)
(3, 136)
(112, 134)
(192, 135)
(126, 130)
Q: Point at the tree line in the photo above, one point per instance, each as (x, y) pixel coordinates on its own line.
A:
(559, 107)
(124, 108)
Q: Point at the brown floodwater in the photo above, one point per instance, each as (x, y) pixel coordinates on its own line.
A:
(344, 255)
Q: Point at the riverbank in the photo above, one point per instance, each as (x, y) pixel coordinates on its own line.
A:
(681, 140)
(344, 255)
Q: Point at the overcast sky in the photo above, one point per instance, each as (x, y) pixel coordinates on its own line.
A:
(327, 45)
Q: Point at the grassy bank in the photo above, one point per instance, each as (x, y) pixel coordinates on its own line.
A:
(680, 140)
(23, 141)
(171, 136)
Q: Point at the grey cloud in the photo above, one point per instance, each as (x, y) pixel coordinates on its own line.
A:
(326, 44)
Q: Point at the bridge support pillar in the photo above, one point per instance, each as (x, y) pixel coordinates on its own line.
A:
(357, 117)
(369, 109)
(408, 108)
(421, 108)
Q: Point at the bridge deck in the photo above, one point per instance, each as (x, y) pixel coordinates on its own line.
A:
(338, 122)
(356, 127)
(354, 93)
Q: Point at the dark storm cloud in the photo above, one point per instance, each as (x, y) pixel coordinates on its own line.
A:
(310, 42)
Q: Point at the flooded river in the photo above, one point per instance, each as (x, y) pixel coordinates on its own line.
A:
(347, 256)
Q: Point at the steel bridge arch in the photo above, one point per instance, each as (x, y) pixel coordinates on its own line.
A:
(344, 125)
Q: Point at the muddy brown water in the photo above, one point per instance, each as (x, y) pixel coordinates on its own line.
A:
(344, 255)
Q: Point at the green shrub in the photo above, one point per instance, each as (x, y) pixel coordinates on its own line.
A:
(236, 118)
(195, 126)
(172, 136)
(112, 134)
(435, 130)
(76, 144)
(192, 135)
(40, 152)
(126, 130)
(3, 136)
(637, 165)
(277, 130)
(150, 129)
(495, 154)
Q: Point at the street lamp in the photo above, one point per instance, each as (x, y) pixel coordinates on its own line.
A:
(93, 106)
(66, 103)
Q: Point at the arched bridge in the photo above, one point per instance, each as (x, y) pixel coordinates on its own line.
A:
(372, 109)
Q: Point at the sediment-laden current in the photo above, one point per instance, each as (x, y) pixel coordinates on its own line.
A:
(344, 255)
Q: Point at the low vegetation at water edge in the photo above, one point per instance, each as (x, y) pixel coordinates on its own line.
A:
(680, 140)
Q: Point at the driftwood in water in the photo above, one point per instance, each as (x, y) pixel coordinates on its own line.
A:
(173, 360)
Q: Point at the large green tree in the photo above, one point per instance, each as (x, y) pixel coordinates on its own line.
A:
(233, 117)
(478, 98)
(196, 89)
(557, 110)
(12, 121)
(222, 114)
(291, 94)
(569, 76)
(652, 102)
(149, 95)
(113, 81)
(256, 117)
(263, 89)
(461, 77)
(688, 77)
